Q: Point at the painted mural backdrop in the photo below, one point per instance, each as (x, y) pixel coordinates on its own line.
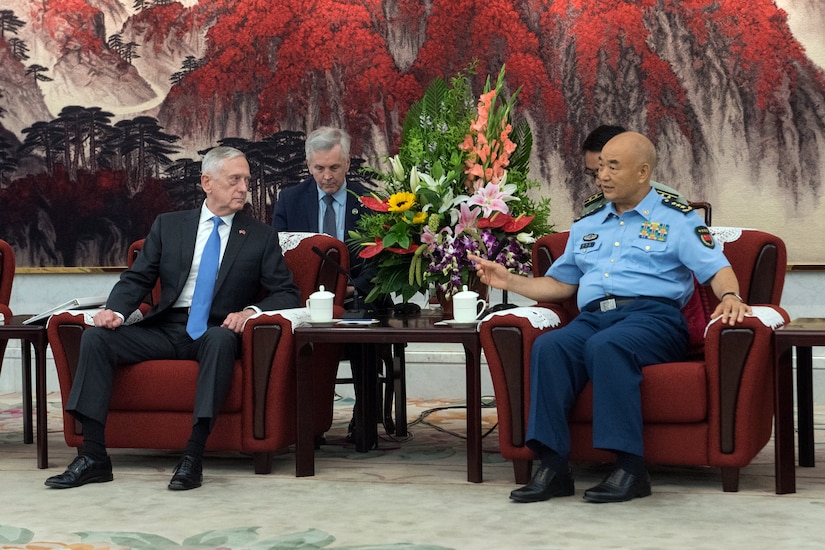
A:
(106, 105)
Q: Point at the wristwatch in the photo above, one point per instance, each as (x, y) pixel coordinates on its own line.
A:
(731, 293)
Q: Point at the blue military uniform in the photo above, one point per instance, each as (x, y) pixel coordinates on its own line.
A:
(635, 272)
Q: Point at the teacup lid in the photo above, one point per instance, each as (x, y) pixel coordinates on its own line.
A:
(321, 294)
(465, 293)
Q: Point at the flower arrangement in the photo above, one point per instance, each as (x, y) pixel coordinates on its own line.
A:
(458, 185)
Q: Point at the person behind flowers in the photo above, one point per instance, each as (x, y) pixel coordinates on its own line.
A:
(591, 148)
(631, 265)
(327, 202)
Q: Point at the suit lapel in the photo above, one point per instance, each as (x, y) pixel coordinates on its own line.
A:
(187, 245)
(238, 235)
(311, 211)
(354, 208)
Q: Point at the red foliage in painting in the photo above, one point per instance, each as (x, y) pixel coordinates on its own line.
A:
(163, 22)
(335, 62)
(73, 24)
(759, 43)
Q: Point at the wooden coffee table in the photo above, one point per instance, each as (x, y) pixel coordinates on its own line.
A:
(389, 330)
(32, 335)
(802, 334)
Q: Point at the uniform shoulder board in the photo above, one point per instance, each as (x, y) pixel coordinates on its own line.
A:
(593, 198)
(597, 209)
(665, 194)
(676, 205)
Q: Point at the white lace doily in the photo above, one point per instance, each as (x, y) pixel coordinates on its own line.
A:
(291, 239)
(767, 315)
(88, 315)
(539, 317)
(298, 316)
(724, 235)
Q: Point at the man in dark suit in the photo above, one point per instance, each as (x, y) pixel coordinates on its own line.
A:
(243, 272)
(305, 207)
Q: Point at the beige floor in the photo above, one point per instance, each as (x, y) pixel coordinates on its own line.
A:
(411, 495)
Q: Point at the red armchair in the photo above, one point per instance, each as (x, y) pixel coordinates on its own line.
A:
(7, 265)
(152, 401)
(713, 409)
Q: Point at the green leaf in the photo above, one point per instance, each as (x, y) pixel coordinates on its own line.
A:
(231, 538)
(15, 535)
(309, 539)
(134, 540)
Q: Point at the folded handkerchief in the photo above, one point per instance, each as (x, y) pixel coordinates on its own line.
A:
(539, 317)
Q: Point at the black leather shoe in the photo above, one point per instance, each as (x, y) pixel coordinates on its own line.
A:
(619, 486)
(81, 471)
(546, 484)
(188, 474)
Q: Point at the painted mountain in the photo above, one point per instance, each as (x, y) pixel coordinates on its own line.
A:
(104, 104)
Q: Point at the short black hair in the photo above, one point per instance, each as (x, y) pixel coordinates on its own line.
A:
(596, 139)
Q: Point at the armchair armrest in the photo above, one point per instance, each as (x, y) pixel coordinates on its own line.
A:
(64, 331)
(5, 318)
(269, 393)
(507, 341)
(739, 366)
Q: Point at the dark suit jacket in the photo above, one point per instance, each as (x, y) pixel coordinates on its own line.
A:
(252, 271)
(297, 210)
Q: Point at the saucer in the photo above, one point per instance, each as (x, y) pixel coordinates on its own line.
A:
(356, 322)
(324, 323)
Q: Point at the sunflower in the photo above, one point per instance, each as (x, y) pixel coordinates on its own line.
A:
(401, 202)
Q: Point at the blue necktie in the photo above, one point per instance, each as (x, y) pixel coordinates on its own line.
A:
(205, 283)
(330, 227)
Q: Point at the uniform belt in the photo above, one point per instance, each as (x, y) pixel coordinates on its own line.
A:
(613, 302)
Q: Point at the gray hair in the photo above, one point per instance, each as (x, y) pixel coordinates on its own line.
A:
(325, 138)
(213, 159)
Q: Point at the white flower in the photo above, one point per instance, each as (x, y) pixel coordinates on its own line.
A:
(397, 168)
(415, 180)
(429, 182)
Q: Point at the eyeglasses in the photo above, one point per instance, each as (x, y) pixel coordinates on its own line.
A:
(591, 173)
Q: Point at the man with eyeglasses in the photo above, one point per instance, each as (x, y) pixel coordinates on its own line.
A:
(592, 148)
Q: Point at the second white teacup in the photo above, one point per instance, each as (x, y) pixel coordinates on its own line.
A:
(467, 306)
(320, 306)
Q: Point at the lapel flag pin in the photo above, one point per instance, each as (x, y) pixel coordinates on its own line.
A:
(242, 231)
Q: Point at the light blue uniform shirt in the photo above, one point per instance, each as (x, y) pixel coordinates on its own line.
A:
(652, 250)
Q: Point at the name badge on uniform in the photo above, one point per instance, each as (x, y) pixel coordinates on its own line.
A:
(654, 231)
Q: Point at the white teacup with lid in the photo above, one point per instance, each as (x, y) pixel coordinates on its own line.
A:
(467, 306)
(320, 305)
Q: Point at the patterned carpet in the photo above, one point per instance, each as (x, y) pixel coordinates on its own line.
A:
(436, 435)
(410, 495)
